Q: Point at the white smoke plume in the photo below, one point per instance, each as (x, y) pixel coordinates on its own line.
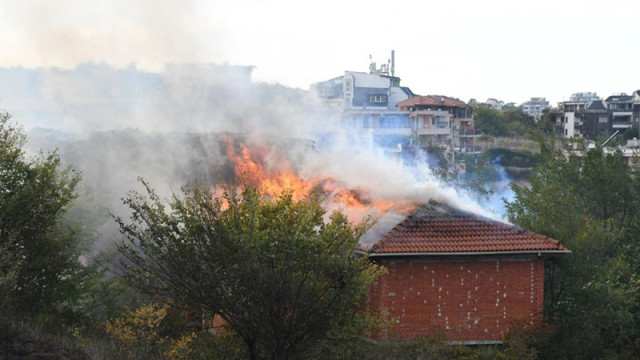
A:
(117, 124)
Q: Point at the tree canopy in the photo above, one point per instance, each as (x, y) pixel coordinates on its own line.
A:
(39, 254)
(588, 200)
(511, 122)
(279, 272)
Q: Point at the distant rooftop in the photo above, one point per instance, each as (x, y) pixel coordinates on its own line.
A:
(432, 100)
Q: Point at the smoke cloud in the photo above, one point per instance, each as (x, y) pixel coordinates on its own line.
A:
(115, 125)
(67, 32)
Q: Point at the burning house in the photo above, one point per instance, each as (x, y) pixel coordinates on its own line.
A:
(453, 272)
(449, 270)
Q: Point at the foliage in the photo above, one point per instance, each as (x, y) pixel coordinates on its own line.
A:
(588, 200)
(479, 171)
(513, 158)
(489, 121)
(139, 334)
(511, 122)
(519, 123)
(39, 267)
(26, 340)
(435, 346)
(274, 270)
(631, 133)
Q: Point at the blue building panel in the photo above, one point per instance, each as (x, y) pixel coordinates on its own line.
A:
(370, 97)
(383, 121)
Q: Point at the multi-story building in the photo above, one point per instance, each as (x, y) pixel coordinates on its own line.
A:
(368, 100)
(363, 91)
(534, 107)
(584, 96)
(442, 120)
(621, 109)
(581, 118)
(495, 104)
(585, 115)
(375, 103)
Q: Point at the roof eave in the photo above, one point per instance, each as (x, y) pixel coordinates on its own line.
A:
(472, 253)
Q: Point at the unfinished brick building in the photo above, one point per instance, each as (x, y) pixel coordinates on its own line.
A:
(465, 276)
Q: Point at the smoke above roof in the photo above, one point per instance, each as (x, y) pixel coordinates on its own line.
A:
(115, 125)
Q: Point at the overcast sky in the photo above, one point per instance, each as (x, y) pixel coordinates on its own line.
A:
(510, 50)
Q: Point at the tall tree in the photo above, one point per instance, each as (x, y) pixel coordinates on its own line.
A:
(39, 254)
(279, 272)
(587, 198)
(490, 121)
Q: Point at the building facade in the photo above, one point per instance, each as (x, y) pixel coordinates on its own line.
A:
(455, 273)
(368, 101)
(443, 121)
(534, 107)
(587, 116)
(375, 103)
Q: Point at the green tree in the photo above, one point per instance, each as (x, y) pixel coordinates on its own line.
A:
(39, 261)
(509, 122)
(489, 121)
(280, 274)
(588, 200)
(518, 123)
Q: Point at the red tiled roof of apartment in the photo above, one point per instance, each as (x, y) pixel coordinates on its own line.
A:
(436, 229)
(432, 100)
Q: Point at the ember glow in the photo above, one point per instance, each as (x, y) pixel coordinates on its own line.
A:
(268, 169)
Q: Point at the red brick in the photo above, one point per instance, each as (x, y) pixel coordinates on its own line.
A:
(462, 311)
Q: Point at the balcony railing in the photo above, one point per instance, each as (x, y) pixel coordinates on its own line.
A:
(467, 133)
(433, 131)
(470, 149)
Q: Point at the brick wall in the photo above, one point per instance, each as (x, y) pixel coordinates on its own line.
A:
(471, 300)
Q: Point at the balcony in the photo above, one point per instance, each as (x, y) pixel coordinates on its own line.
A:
(470, 149)
(433, 131)
(468, 133)
(389, 131)
(622, 120)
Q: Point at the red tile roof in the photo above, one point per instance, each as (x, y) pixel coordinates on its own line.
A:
(432, 100)
(438, 229)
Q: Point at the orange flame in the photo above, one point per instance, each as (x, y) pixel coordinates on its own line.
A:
(272, 173)
(252, 168)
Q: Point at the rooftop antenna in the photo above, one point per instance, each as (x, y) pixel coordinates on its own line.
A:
(393, 63)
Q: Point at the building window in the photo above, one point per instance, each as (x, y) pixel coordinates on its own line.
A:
(394, 122)
(378, 98)
(603, 120)
(347, 85)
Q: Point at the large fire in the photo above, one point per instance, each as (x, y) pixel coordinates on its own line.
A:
(270, 170)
